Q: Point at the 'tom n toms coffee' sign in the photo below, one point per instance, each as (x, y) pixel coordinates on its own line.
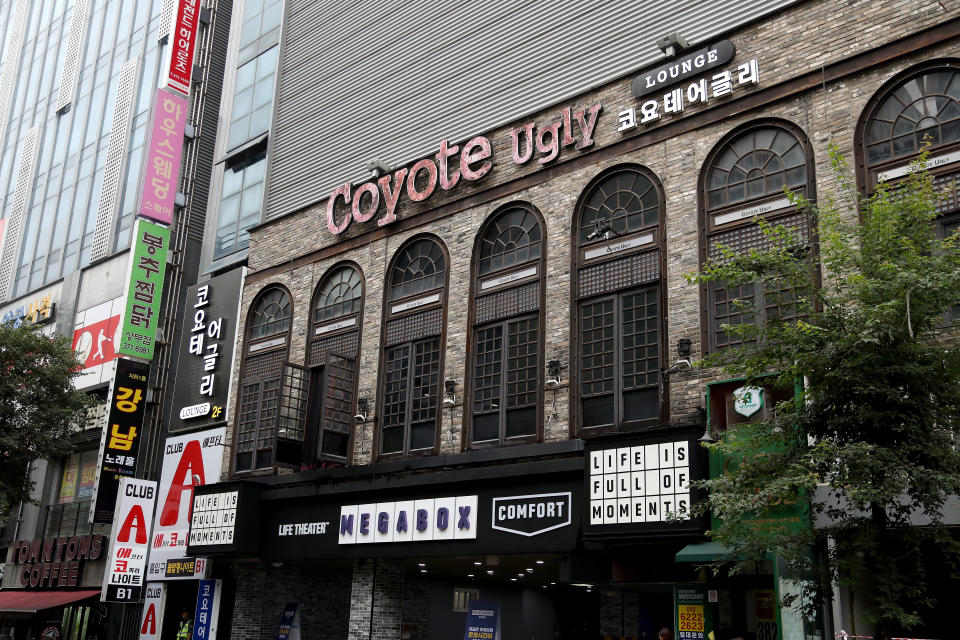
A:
(49, 563)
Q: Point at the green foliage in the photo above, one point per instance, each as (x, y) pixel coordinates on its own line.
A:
(876, 427)
(38, 407)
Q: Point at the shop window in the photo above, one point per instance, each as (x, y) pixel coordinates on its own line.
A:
(265, 354)
(743, 178)
(412, 357)
(506, 348)
(619, 319)
(916, 109)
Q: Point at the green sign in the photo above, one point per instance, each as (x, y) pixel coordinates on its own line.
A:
(747, 400)
(792, 514)
(694, 619)
(148, 264)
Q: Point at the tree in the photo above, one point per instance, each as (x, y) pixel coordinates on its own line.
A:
(876, 424)
(39, 407)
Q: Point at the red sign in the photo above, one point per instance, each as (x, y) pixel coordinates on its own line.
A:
(94, 342)
(183, 42)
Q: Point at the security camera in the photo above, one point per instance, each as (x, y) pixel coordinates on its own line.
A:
(449, 402)
(360, 418)
(553, 384)
(377, 168)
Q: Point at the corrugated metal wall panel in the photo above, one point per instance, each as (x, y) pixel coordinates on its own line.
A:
(10, 246)
(76, 40)
(11, 65)
(389, 80)
(116, 159)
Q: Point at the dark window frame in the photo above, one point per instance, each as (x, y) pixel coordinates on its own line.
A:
(749, 232)
(423, 314)
(505, 319)
(264, 381)
(650, 255)
(335, 342)
(946, 178)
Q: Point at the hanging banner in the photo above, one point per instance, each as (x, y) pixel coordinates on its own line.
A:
(161, 172)
(148, 265)
(483, 620)
(189, 461)
(289, 628)
(693, 619)
(129, 541)
(153, 606)
(121, 436)
(208, 610)
(183, 41)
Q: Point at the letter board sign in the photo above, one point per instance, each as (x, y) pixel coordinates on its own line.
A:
(642, 484)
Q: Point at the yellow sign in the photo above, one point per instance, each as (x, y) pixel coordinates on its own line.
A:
(690, 617)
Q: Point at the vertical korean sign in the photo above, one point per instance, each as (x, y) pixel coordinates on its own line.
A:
(183, 42)
(208, 610)
(188, 461)
(129, 541)
(162, 169)
(121, 441)
(148, 265)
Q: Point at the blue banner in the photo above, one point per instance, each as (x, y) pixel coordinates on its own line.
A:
(483, 620)
(289, 622)
(205, 618)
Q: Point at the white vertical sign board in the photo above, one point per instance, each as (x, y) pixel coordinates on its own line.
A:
(189, 461)
(129, 541)
(151, 624)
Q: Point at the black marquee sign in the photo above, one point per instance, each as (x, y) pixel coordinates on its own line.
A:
(684, 66)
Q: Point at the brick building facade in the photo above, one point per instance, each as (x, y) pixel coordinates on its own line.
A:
(802, 78)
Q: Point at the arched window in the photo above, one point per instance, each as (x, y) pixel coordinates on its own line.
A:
(332, 356)
(412, 358)
(619, 318)
(506, 349)
(916, 108)
(924, 107)
(743, 178)
(265, 352)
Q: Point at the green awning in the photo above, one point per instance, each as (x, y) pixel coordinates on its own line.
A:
(706, 552)
(702, 552)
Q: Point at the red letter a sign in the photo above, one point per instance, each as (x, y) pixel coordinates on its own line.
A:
(149, 626)
(134, 519)
(189, 473)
